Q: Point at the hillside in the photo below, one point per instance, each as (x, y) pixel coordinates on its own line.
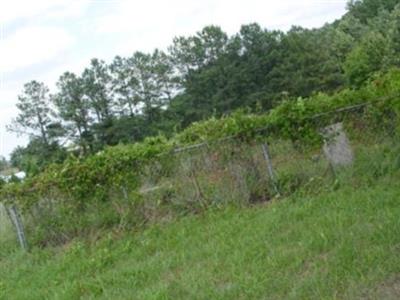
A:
(341, 244)
(259, 165)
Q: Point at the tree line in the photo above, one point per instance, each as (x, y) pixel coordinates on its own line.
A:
(207, 74)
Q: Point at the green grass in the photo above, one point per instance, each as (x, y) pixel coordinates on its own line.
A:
(7, 237)
(341, 244)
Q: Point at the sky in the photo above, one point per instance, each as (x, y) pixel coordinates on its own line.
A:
(42, 39)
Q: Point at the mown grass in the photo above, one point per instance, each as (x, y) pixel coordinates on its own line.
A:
(340, 244)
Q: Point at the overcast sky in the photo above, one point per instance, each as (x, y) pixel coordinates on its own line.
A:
(40, 39)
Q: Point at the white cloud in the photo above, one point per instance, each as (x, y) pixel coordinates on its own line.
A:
(32, 45)
(125, 16)
(19, 9)
(152, 23)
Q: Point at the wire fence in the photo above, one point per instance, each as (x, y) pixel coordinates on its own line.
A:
(357, 140)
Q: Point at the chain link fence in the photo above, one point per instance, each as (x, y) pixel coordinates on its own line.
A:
(357, 141)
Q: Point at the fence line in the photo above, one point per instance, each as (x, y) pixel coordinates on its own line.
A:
(354, 107)
(194, 178)
(257, 130)
(270, 168)
(16, 219)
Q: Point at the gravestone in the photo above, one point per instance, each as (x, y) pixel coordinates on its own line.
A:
(337, 147)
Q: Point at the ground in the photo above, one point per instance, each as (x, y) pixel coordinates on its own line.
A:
(340, 244)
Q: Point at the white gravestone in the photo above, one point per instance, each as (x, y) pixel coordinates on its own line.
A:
(337, 147)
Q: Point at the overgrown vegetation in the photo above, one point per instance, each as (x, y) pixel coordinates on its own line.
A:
(342, 243)
(106, 186)
(106, 190)
(198, 116)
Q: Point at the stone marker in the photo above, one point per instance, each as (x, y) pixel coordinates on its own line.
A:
(337, 147)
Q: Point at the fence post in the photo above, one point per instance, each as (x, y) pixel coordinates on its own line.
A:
(17, 222)
(270, 169)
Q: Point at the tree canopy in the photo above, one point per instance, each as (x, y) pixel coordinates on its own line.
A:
(209, 73)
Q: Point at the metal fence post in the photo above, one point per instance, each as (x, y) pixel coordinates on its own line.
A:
(17, 222)
(270, 169)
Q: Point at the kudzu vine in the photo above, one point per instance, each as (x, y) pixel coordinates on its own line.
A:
(79, 182)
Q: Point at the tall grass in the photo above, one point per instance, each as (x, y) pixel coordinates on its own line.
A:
(330, 235)
(340, 244)
(8, 240)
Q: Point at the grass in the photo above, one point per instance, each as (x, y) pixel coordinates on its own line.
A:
(7, 237)
(340, 244)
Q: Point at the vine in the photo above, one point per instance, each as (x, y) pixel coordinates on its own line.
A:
(78, 183)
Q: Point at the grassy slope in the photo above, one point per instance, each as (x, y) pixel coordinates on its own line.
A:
(341, 244)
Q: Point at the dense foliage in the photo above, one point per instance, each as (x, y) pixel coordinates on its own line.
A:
(208, 74)
(84, 180)
(93, 139)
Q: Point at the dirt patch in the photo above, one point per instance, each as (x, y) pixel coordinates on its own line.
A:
(388, 290)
